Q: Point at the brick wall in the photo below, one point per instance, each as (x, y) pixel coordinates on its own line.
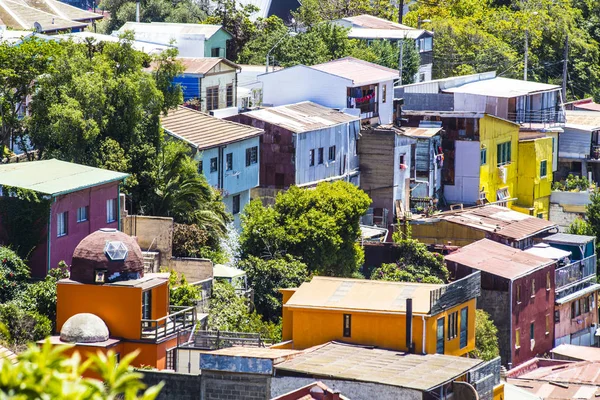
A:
(218, 385)
(177, 386)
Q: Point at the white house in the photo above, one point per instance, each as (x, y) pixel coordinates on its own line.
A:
(353, 86)
(228, 153)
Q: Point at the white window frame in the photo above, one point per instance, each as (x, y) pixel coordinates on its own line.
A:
(62, 224)
(502, 195)
(85, 217)
(111, 210)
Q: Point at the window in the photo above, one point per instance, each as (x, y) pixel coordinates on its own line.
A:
(503, 156)
(62, 222)
(518, 294)
(591, 302)
(229, 90)
(575, 309)
(533, 288)
(311, 158)
(171, 361)
(111, 210)
(82, 214)
(229, 162)
(517, 338)
(531, 331)
(147, 304)
(586, 305)
(556, 316)
(215, 52)
(236, 204)
(421, 77)
(543, 168)
(384, 94)
(320, 155)
(502, 196)
(440, 336)
(452, 325)
(214, 165)
(331, 153)
(200, 167)
(251, 156)
(548, 281)
(547, 324)
(464, 327)
(401, 160)
(347, 325)
(540, 215)
(212, 98)
(483, 157)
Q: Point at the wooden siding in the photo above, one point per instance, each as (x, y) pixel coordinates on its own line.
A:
(444, 232)
(376, 155)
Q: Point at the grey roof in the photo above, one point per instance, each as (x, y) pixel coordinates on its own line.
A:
(567, 238)
(388, 367)
(55, 177)
(502, 87)
(19, 15)
(171, 28)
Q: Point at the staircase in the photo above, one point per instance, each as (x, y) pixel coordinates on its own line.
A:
(151, 261)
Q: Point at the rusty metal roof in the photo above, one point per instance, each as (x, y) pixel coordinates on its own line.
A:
(502, 221)
(498, 259)
(547, 390)
(583, 353)
(358, 71)
(580, 372)
(362, 295)
(202, 65)
(419, 132)
(205, 131)
(6, 354)
(302, 117)
(365, 364)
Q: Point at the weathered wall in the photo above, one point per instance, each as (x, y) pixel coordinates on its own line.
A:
(533, 190)
(426, 101)
(496, 303)
(466, 174)
(217, 385)
(194, 269)
(376, 154)
(437, 231)
(559, 215)
(567, 325)
(152, 233)
(177, 386)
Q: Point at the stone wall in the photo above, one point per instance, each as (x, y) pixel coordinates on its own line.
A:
(496, 303)
(563, 218)
(217, 385)
(194, 269)
(177, 386)
(152, 233)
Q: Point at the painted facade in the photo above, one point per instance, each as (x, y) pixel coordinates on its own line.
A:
(534, 177)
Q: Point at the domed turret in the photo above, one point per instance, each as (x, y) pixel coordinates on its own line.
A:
(107, 256)
(84, 328)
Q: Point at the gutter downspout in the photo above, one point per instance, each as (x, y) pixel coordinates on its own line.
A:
(347, 172)
(510, 339)
(424, 334)
(119, 206)
(49, 236)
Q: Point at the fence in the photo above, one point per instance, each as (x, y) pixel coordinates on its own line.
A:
(214, 340)
(181, 318)
(575, 272)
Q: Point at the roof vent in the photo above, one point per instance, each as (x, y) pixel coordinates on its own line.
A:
(108, 230)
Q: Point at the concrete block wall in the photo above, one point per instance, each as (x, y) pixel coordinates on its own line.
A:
(177, 386)
(217, 385)
(497, 304)
(563, 218)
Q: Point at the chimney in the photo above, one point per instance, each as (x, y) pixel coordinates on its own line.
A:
(409, 331)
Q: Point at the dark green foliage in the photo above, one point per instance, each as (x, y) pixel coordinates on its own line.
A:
(229, 312)
(13, 275)
(266, 277)
(188, 240)
(319, 227)
(24, 326)
(486, 337)
(182, 293)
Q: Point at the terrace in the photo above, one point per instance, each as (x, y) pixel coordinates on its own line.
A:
(179, 319)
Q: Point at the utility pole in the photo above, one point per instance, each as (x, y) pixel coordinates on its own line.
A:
(526, 61)
(565, 70)
(400, 10)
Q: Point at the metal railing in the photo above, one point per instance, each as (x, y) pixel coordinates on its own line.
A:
(575, 272)
(214, 340)
(179, 318)
(544, 116)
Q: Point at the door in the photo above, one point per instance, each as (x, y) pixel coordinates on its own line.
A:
(440, 336)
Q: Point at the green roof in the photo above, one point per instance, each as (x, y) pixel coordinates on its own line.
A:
(55, 177)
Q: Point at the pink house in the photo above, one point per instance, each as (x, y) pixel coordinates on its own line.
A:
(80, 199)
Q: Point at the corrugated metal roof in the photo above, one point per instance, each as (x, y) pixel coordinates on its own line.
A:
(302, 117)
(82, 37)
(567, 238)
(419, 132)
(546, 251)
(582, 353)
(499, 220)
(583, 120)
(358, 71)
(202, 65)
(502, 87)
(362, 294)
(8, 355)
(205, 131)
(372, 22)
(581, 372)
(368, 33)
(170, 28)
(497, 259)
(388, 367)
(18, 15)
(546, 390)
(55, 177)
(61, 9)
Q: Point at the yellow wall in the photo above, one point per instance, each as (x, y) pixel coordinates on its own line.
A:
(533, 190)
(286, 325)
(312, 327)
(499, 392)
(494, 131)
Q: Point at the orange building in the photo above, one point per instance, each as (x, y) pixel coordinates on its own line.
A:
(108, 303)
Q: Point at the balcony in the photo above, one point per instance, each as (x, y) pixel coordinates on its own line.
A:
(546, 116)
(574, 273)
(179, 318)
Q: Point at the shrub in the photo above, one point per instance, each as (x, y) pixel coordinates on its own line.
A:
(13, 274)
(24, 326)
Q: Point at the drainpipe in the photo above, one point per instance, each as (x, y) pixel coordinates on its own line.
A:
(409, 330)
(510, 327)
(348, 152)
(424, 334)
(118, 206)
(50, 235)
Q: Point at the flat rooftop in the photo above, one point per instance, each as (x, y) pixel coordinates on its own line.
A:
(365, 364)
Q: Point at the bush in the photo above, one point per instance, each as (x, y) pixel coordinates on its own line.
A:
(486, 337)
(24, 326)
(182, 293)
(13, 274)
(190, 240)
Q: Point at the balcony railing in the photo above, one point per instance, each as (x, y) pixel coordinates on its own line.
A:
(179, 318)
(214, 340)
(548, 116)
(575, 272)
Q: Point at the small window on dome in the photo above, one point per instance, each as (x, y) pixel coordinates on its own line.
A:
(116, 251)
(100, 276)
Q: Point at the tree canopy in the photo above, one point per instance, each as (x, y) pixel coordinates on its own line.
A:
(319, 227)
(486, 337)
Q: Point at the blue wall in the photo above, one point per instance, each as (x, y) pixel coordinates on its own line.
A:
(190, 85)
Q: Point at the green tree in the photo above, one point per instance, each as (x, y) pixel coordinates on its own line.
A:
(235, 20)
(486, 337)
(14, 274)
(319, 227)
(182, 293)
(47, 373)
(266, 277)
(229, 312)
(24, 326)
(313, 12)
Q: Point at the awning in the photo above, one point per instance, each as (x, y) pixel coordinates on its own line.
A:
(590, 289)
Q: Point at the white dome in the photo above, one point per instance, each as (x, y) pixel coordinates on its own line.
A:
(84, 328)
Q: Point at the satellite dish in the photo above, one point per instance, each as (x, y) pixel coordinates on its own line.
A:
(37, 26)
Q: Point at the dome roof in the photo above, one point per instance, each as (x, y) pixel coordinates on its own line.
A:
(84, 328)
(114, 255)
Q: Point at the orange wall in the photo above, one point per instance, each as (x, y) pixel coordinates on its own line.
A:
(160, 301)
(151, 354)
(119, 307)
(287, 324)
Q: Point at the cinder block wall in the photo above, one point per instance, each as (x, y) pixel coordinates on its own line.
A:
(217, 385)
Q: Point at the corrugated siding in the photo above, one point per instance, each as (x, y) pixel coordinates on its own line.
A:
(574, 143)
(190, 86)
(423, 158)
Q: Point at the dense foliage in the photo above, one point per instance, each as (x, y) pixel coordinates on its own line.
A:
(266, 277)
(14, 274)
(486, 337)
(319, 227)
(572, 184)
(47, 373)
(182, 293)
(230, 312)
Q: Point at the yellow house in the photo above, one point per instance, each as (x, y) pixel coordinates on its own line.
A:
(534, 176)
(375, 313)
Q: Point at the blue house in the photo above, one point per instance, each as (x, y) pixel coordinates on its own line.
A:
(227, 152)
